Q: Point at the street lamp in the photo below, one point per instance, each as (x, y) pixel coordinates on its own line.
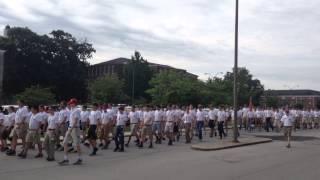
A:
(235, 78)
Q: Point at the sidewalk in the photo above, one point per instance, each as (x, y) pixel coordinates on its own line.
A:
(227, 143)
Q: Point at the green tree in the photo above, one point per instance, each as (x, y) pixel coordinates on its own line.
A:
(35, 95)
(247, 86)
(55, 60)
(107, 89)
(173, 87)
(136, 77)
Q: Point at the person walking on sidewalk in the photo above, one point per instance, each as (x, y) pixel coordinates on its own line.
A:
(73, 133)
(119, 135)
(50, 136)
(287, 122)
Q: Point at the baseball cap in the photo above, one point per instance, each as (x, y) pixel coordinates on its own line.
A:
(73, 101)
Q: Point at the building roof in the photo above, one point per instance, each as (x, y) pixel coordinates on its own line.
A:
(123, 60)
(297, 92)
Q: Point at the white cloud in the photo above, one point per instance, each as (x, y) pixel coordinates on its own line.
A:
(278, 39)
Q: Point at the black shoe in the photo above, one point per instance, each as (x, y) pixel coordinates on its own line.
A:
(121, 150)
(136, 141)
(11, 152)
(50, 159)
(64, 162)
(100, 145)
(105, 146)
(78, 162)
(116, 149)
(23, 156)
(141, 145)
(38, 156)
(150, 146)
(20, 154)
(93, 153)
(127, 145)
(170, 143)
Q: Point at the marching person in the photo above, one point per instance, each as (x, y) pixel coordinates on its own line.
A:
(62, 124)
(84, 124)
(8, 126)
(221, 119)
(33, 135)
(107, 124)
(73, 133)
(187, 119)
(212, 122)
(156, 127)
(50, 136)
(287, 122)
(268, 116)
(94, 122)
(169, 125)
(200, 121)
(119, 134)
(134, 125)
(2, 129)
(147, 127)
(20, 128)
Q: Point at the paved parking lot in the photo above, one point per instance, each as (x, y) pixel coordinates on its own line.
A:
(263, 161)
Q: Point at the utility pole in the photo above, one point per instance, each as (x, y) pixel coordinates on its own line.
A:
(235, 78)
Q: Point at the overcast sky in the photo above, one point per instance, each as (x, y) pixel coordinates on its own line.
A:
(279, 39)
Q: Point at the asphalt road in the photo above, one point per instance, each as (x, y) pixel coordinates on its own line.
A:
(180, 162)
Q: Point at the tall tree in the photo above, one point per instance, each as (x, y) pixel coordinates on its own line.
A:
(57, 60)
(107, 89)
(136, 77)
(247, 86)
(176, 88)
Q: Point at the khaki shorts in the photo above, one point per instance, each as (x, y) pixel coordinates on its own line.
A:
(147, 130)
(19, 132)
(72, 135)
(169, 127)
(33, 137)
(133, 128)
(287, 131)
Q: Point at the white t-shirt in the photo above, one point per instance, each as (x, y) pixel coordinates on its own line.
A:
(35, 121)
(200, 115)
(106, 117)
(52, 121)
(85, 116)
(147, 118)
(21, 114)
(121, 119)
(187, 118)
(222, 116)
(9, 119)
(75, 115)
(157, 116)
(44, 117)
(134, 117)
(63, 116)
(94, 117)
(287, 120)
(170, 116)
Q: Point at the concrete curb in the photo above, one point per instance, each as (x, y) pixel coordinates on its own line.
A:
(230, 144)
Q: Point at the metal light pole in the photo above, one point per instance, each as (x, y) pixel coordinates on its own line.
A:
(133, 69)
(235, 78)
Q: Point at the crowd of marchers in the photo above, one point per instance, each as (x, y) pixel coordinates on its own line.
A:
(68, 127)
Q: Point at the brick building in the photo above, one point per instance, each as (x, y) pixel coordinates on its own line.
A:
(116, 66)
(306, 98)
